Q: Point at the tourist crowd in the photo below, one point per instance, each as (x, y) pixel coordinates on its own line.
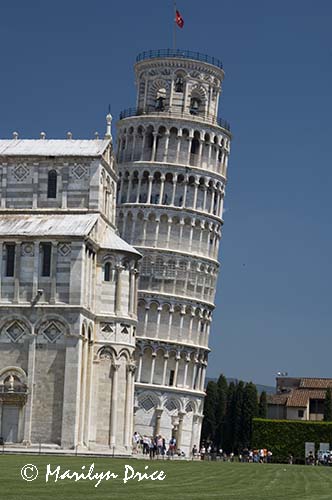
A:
(155, 446)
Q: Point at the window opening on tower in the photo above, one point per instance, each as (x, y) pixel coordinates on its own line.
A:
(179, 84)
(194, 105)
(160, 100)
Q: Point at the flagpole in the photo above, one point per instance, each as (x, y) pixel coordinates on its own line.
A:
(174, 26)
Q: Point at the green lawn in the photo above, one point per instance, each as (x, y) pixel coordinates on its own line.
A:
(184, 480)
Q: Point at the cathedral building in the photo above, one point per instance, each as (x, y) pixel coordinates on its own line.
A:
(67, 299)
(109, 264)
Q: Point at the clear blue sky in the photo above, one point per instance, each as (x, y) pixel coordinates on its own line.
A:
(62, 62)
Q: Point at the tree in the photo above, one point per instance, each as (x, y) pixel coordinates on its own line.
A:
(328, 406)
(209, 425)
(221, 410)
(229, 418)
(262, 409)
(238, 417)
(249, 411)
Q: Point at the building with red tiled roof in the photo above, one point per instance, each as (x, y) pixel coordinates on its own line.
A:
(298, 398)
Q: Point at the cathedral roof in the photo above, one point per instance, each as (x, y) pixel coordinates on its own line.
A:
(114, 242)
(47, 224)
(55, 225)
(53, 147)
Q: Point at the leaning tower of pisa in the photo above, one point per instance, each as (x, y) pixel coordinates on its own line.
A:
(172, 157)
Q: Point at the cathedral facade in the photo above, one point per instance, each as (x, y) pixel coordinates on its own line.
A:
(67, 300)
(108, 267)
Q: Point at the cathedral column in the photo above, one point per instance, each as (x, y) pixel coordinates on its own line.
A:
(17, 271)
(90, 390)
(54, 253)
(130, 369)
(119, 269)
(146, 317)
(114, 404)
(35, 185)
(139, 372)
(35, 270)
(72, 390)
(132, 291)
(83, 389)
(31, 387)
(64, 187)
(4, 185)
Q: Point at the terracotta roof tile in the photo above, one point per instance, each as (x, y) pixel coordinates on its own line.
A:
(277, 399)
(300, 397)
(316, 383)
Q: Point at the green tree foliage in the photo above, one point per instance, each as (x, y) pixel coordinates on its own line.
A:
(238, 416)
(221, 410)
(209, 426)
(262, 409)
(228, 413)
(328, 406)
(230, 418)
(249, 411)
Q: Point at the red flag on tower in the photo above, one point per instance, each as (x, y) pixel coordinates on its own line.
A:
(179, 19)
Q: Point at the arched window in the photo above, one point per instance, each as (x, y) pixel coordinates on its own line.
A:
(107, 271)
(52, 184)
